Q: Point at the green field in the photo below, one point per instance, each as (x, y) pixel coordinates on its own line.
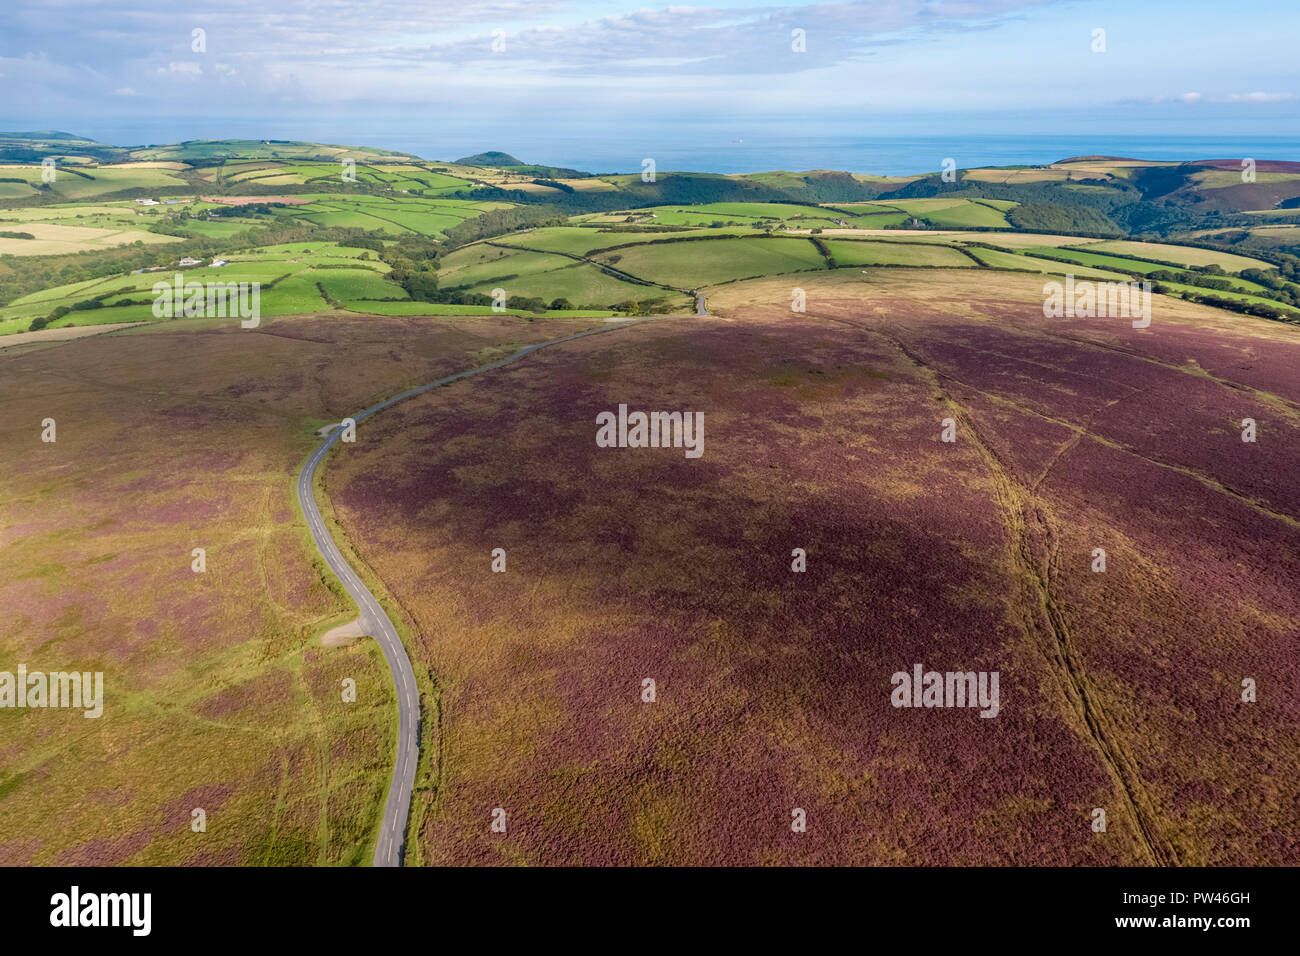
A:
(91, 181)
(1101, 261)
(260, 149)
(290, 281)
(761, 215)
(52, 239)
(482, 267)
(484, 262)
(342, 284)
(849, 252)
(701, 262)
(1228, 294)
(1179, 255)
(600, 260)
(403, 177)
(394, 216)
(1001, 259)
(222, 228)
(372, 307)
(956, 213)
(581, 283)
(579, 241)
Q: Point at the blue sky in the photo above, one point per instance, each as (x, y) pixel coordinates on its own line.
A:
(128, 68)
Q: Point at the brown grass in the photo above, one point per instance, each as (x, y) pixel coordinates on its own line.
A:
(822, 433)
(216, 693)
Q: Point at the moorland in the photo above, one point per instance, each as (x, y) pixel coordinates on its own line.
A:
(827, 324)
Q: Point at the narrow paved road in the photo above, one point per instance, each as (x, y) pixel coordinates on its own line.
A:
(376, 623)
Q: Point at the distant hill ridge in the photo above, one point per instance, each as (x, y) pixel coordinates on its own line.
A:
(1261, 165)
(46, 134)
(1089, 194)
(490, 158)
(1099, 159)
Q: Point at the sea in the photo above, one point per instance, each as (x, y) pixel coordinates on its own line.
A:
(882, 155)
(609, 148)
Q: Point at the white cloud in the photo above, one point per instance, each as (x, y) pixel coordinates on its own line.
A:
(1196, 98)
(707, 40)
(622, 58)
(1256, 98)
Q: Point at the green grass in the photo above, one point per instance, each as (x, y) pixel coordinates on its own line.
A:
(1179, 255)
(106, 316)
(1237, 296)
(972, 215)
(439, 308)
(954, 213)
(330, 215)
(573, 240)
(104, 180)
(753, 214)
(58, 292)
(692, 217)
(255, 149)
(57, 212)
(579, 282)
(297, 250)
(392, 215)
(16, 190)
(489, 267)
(374, 307)
(293, 295)
(881, 221)
(578, 241)
(483, 263)
(482, 267)
(544, 263)
(343, 284)
(425, 222)
(999, 259)
(1119, 263)
(40, 303)
(410, 177)
(696, 263)
(287, 287)
(216, 228)
(469, 257)
(757, 210)
(848, 252)
(1127, 265)
(856, 209)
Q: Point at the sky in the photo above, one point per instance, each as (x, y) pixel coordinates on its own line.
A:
(455, 73)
